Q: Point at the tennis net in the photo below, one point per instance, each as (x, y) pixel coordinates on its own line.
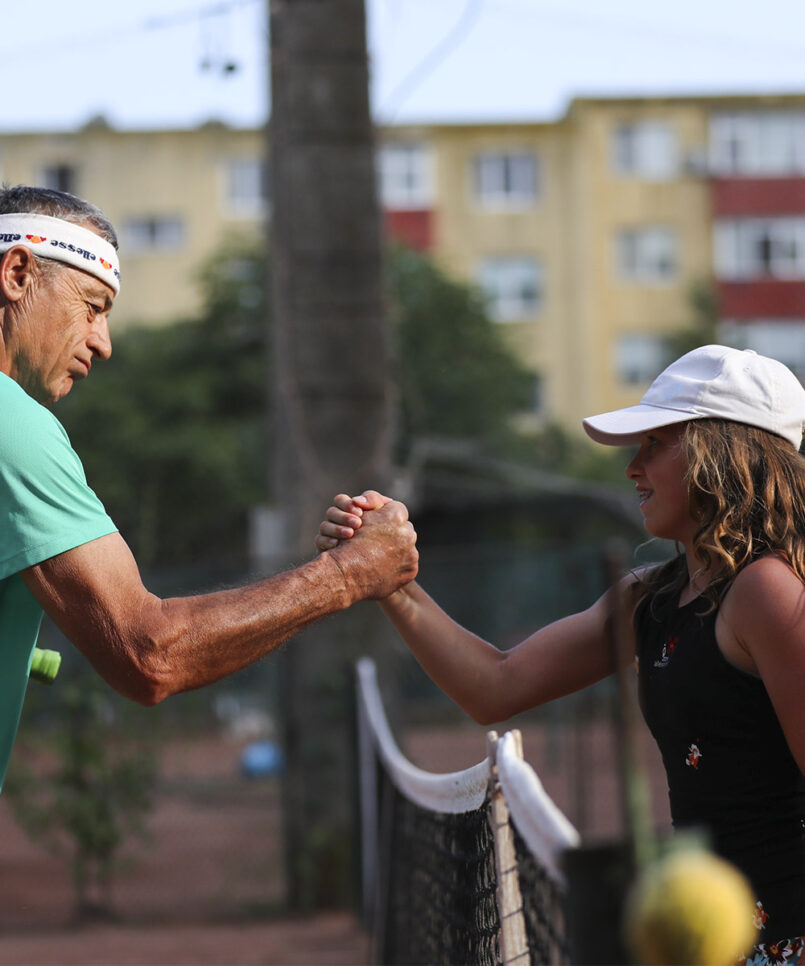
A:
(463, 867)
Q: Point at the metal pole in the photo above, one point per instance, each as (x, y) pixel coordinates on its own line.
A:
(513, 942)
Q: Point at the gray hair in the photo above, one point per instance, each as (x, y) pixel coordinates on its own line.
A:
(21, 198)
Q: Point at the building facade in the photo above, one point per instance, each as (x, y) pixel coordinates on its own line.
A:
(587, 234)
(174, 196)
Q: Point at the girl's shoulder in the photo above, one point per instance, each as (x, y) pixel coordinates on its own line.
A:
(761, 631)
(766, 586)
(766, 571)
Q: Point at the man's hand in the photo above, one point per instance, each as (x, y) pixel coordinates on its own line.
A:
(382, 557)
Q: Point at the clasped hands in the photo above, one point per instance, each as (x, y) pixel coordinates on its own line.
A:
(382, 557)
(345, 517)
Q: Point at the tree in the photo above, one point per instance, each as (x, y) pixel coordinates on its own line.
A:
(701, 330)
(172, 431)
(455, 375)
(84, 791)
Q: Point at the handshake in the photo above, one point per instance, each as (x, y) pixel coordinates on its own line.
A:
(373, 543)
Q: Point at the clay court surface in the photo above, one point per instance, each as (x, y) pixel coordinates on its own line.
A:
(208, 890)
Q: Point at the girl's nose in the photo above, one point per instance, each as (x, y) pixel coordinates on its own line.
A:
(634, 468)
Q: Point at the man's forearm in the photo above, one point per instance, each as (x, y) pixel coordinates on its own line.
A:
(194, 641)
(148, 648)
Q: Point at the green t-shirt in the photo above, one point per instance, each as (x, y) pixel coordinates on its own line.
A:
(46, 508)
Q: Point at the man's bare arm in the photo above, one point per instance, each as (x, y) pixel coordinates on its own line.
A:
(148, 648)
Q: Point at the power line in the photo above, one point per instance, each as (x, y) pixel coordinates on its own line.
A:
(188, 16)
(121, 34)
(641, 28)
(433, 59)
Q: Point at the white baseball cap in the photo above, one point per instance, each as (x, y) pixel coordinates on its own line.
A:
(712, 382)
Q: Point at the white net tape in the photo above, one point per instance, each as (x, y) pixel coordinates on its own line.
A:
(452, 792)
(543, 827)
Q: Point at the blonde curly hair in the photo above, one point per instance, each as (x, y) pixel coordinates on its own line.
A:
(746, 488)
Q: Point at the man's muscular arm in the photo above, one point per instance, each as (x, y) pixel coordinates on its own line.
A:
(148, 648)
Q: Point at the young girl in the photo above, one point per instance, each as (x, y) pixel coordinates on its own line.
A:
(719, 629)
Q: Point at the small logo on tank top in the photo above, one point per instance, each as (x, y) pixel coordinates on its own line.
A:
(694, 756)
(760, 917)
(668, 649)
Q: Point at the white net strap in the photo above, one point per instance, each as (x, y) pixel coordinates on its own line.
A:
(451, 792)
(543, 827)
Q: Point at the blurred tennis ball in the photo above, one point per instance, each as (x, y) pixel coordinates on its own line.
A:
(45, 665)
(690, 907)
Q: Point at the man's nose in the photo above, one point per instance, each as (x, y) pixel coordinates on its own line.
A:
(100, 342)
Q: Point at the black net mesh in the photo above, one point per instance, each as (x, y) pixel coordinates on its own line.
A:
(430, 883)
(438, 885)
(543, 908)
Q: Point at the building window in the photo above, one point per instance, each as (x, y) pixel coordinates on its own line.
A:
(646, 255)
(781, 340)
(749, 248)
(639, 358)
(758, 143)
(506, 179)
(61, 177)
(152, 234)
(538, 394)
(646, 149)
(246, 187)
(513, 286)
(406, 176)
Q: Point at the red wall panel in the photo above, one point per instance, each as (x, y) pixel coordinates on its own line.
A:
(736, 197)
(412, 228)
(764, 299)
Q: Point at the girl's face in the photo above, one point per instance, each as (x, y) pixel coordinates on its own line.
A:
(659, 471)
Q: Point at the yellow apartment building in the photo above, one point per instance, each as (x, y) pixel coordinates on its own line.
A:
(173, 195)
(586, 233)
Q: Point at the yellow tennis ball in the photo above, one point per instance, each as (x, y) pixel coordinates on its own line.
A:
(690, 907)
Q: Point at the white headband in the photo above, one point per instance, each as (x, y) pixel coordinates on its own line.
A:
(63, 241)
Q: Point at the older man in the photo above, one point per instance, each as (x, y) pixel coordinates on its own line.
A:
(60, 552)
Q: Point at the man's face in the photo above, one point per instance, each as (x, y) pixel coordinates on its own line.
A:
(61, 331)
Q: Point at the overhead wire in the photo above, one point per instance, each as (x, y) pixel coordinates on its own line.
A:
(575, 19)
(662, 30)
(437, 55)
(119, 33)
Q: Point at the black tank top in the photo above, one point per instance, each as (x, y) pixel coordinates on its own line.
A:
(728, 764)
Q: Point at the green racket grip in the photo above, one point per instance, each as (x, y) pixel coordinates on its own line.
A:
(45, 665)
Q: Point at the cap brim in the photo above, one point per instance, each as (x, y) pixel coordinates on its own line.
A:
(624, 427)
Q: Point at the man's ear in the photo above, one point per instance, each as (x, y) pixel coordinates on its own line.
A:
(17, 270)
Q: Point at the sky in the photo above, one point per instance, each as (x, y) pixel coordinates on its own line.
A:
(176, 63)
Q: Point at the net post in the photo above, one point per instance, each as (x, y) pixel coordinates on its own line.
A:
(635, 797)
(513, 943)
(368, 797)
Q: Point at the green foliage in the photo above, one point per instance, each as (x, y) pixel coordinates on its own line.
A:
(172, 430)
(556, 450)
(84, 791)
(456, 377)
(701, 330)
